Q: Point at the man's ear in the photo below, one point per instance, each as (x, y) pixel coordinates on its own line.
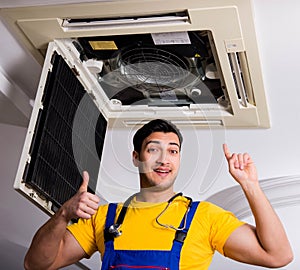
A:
(135, 158)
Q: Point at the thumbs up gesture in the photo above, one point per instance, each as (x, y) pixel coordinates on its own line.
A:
(83, 204)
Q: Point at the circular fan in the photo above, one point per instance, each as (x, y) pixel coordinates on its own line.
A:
(152, 69)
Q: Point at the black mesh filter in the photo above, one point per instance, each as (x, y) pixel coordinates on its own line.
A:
(68, 139)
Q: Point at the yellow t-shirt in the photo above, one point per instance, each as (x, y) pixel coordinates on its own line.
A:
(209, 230)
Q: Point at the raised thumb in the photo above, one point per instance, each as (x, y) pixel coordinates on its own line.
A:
(85, 182)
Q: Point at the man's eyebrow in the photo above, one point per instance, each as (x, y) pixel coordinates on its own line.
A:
(173, 143)
(158, 142)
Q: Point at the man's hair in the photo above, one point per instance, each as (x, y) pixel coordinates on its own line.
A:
(157, 125)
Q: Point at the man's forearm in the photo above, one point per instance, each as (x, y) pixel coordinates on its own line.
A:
(269, 229)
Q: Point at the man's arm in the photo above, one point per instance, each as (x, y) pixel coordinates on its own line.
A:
(53, 246)
(266, 244)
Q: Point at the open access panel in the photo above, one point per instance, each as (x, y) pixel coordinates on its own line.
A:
(65, 137)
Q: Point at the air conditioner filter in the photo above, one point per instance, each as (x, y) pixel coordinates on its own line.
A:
(68, 139)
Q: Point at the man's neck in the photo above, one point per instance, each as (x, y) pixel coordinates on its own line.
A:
(147, 195)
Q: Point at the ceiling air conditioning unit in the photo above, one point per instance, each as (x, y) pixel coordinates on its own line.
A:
(194, 62)
(120, 63)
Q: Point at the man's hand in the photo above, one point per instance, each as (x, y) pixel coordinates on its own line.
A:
(83, 204)
(241, 166)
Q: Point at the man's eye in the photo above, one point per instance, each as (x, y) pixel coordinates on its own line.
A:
(174, 152)
(152, 150)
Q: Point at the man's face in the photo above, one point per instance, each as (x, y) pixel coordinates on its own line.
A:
(159, 160)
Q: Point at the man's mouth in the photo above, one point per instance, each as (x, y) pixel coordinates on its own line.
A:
(159, 170)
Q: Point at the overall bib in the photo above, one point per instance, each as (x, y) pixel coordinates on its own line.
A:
(144, 259)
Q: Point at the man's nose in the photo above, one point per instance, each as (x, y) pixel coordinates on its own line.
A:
(162, 157)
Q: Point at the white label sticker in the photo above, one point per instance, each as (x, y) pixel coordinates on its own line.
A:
(171, 38)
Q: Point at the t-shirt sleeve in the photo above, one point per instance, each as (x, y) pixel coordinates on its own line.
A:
(86, 233)
(223, 223)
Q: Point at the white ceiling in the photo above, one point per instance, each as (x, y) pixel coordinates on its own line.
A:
(276, 151)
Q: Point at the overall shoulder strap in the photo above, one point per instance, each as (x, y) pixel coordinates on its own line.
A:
(181, 235)
(112, 227)
(108, 239)
(110, 219)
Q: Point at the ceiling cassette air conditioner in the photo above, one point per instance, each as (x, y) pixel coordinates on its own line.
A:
(193, 62)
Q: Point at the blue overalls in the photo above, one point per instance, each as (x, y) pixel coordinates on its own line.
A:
(144, 259)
